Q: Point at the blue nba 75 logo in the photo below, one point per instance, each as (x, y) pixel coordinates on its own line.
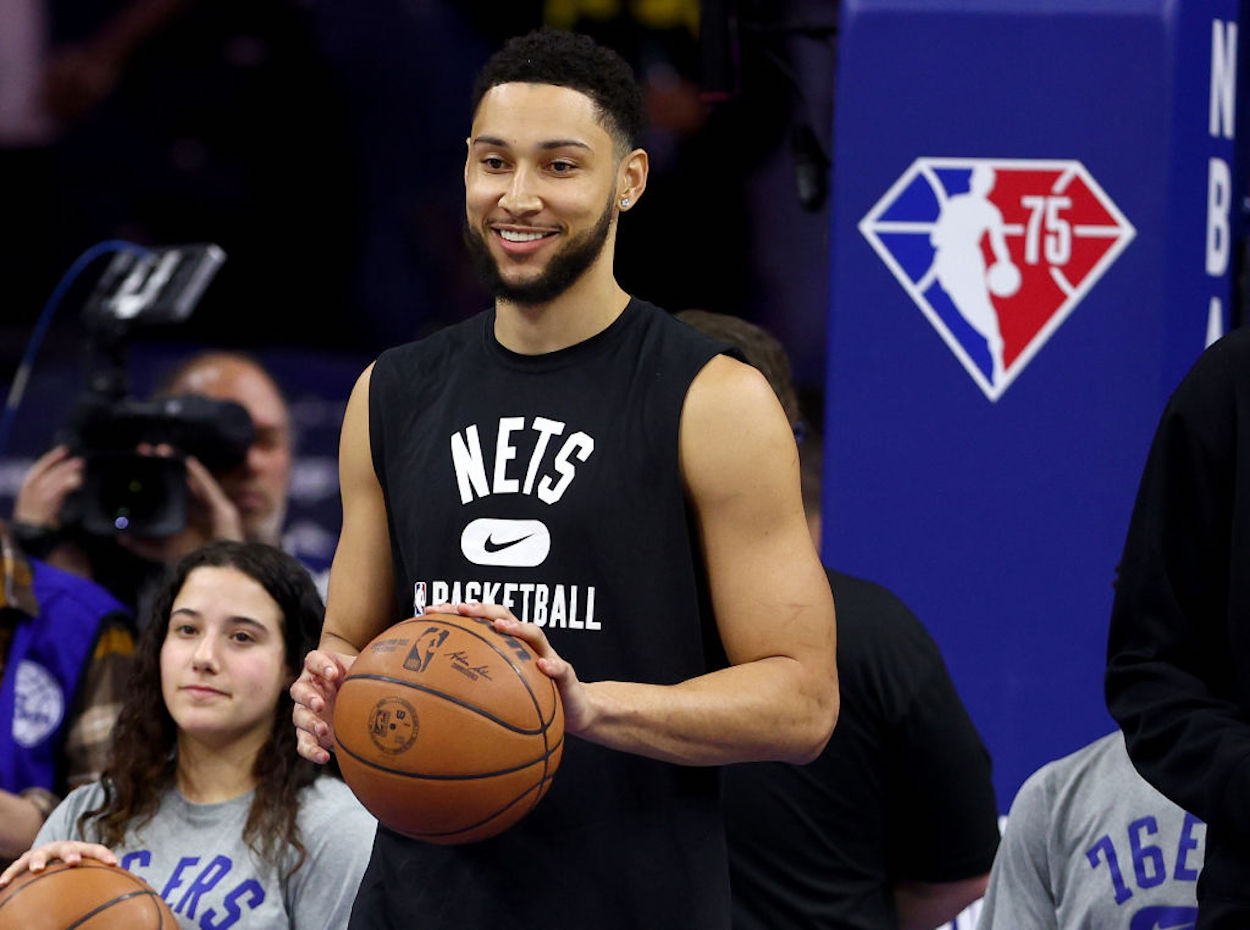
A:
(996, 252)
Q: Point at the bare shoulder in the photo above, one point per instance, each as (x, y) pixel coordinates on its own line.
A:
(723, 385)
(354, 440)
(360, 390)
(732, 425)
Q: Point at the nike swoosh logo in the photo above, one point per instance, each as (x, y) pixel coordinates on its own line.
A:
(491, 546)
(497, 541)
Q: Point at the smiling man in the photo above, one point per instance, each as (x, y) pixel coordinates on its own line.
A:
(587, 473)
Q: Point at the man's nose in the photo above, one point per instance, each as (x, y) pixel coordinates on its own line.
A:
(521, 196)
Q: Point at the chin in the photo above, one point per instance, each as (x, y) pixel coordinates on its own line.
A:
(263, 529)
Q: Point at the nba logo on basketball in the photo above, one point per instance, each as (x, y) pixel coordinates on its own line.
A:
(996, 253)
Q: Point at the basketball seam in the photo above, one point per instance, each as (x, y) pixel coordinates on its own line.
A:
(14, 891)
(503, 655)
(547, 773)
(142, 892)
(451, 699)
(485, 820)
(468, 777)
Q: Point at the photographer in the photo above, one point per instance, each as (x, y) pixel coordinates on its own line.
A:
(246, 502)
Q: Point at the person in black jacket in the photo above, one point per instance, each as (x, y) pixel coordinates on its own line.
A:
(1178, 669)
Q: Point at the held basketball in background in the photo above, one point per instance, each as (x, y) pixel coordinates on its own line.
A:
(447, 730)
(89, 896)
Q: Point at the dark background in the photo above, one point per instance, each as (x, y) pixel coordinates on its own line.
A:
(321, 145)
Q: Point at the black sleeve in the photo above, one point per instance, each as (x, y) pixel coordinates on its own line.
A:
(1175, 639)
(943, 815)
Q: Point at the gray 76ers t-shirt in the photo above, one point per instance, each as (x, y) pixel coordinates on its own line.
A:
(1089, 845)
(194, 855)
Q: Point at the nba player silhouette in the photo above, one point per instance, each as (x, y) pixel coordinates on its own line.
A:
(959, 265)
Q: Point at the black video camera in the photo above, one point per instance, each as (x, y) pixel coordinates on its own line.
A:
(124, 490)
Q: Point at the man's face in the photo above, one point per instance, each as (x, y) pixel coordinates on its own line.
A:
(258, 487)
(540, 190)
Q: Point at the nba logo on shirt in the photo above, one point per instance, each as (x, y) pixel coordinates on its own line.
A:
(996, 252)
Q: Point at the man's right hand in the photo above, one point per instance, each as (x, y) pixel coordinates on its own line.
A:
(211, 516)
(46, 485)
(314, 693)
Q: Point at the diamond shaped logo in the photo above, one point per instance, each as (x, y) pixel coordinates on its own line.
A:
(996, 252)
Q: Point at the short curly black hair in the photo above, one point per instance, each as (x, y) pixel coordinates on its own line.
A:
(567, 59)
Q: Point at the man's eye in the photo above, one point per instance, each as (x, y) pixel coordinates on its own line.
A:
(493, 162)
(241, 637)
(562, 167)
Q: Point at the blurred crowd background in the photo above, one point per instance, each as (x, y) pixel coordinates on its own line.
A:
(320, 143)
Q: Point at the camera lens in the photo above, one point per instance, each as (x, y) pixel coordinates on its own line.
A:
(141, 494)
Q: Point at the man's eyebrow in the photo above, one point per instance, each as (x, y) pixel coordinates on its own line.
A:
(564, 143)
(550, 144)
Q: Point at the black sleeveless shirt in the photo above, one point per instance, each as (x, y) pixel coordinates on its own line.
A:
(551, 484)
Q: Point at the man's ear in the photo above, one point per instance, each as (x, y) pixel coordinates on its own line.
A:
(632, 178)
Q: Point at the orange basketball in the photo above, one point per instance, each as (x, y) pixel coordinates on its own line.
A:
(447, 731)
(87, 896)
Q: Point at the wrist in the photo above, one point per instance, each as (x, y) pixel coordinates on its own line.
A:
(36, 539)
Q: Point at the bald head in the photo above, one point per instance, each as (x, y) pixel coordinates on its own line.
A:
(259, 486)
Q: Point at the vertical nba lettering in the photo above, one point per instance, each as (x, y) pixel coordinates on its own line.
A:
(1223, 107)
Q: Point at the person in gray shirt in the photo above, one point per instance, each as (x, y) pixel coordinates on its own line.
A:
(1090, 845)
(205, 797)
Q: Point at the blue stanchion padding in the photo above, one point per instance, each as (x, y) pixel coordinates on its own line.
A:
(1033, 231)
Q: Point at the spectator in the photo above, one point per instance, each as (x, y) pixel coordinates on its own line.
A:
(1090, 844)
(205, 796)
(1178, 666)
(65, 652)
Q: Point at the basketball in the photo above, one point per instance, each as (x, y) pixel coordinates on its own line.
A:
(446, 730)
(88, 896)
(1003, 279)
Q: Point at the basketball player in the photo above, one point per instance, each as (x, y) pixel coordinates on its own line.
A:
(599, 480)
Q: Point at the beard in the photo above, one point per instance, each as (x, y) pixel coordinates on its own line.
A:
(563, 268)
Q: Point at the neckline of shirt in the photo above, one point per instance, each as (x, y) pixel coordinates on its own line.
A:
(560, 358)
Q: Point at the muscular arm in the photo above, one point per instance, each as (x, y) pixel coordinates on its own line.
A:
(771, 598)
(361, 602)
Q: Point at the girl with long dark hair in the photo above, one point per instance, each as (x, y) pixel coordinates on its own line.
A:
(206, 797)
